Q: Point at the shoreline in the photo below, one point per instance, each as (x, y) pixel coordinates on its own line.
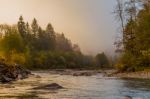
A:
(134, 75)
(71, 72)
(105, 73)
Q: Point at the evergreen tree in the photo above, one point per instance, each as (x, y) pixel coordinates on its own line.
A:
(35, 28)
(22, 28)
(62, 43)
(50, 37)
(42, 42)
(102, 60)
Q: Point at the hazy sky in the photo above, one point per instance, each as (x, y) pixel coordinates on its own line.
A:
(90, 23)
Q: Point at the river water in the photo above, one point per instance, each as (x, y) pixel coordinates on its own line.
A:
(76, 87)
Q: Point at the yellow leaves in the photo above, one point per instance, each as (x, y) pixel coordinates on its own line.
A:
(146, 53)
(13, 58)
(18, 58)
(120, 66)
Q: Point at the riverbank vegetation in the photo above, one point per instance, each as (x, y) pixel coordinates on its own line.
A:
(134, 16)
(36, 48)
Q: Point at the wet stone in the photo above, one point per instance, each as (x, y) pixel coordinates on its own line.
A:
(53, 86)
(14, 72)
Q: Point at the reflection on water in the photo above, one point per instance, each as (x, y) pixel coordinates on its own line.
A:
(92, 87)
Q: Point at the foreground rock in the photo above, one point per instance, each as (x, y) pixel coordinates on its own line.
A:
(53, 86)
(10, 73)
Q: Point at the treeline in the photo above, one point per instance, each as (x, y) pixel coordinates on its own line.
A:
(135, 22)
(37, 48)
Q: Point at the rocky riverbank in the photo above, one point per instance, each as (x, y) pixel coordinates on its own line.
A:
(139, 74)
(10, 73)
(73, 72)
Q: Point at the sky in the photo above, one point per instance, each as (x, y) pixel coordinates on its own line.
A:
(89, 23)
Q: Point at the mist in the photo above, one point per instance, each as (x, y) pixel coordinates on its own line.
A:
(89, 23)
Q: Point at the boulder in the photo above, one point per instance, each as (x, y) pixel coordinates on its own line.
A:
(10, 73)
(37, 76)
(127, 97)
(53, 86)
(82, 74)
(5, 79)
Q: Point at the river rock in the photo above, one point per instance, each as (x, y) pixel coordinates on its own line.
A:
(5, 79)
(82, 74)
(53, 86)
(10, 73)
(127, 97)
(37, 76)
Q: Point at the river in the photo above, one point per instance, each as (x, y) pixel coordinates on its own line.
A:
(76, 87)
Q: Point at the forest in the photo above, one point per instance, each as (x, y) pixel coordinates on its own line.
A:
(35, 48)
(134, 46)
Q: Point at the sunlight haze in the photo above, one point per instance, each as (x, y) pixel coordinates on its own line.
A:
(89, 23)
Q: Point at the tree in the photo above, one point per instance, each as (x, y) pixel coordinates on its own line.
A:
(120, 15)
(35, 28)
(62, 43)
(50, 37)
(119, 11)
(22, 28)
(11, 43)
(42, 42)
(126, 11)
(76, 48)
(136, 37)
(102, 60)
